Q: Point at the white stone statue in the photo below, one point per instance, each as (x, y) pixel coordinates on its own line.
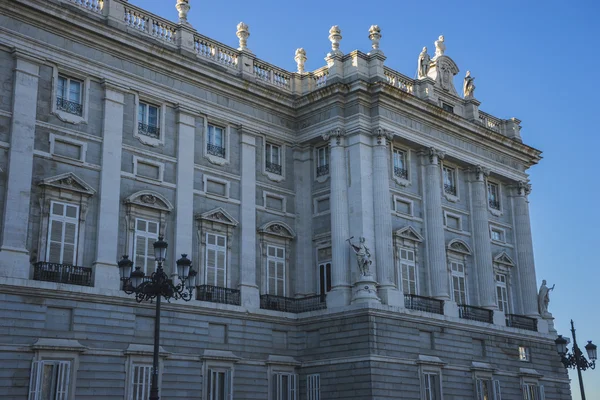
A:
(243, 33)
(544, 299)
(183, 6)
(424, 63)
(375, 36)
(363, 256)
(468, 86)
(440, 47)
(300, 58)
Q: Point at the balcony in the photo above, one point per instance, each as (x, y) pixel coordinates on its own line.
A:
(401, 173)
(450, 189)
(152, 131)
(216, 294)
(323, 170)
(215, 150)
(521, 322)
(475, 313)
(62, 273)
(494, 204)
(273, 168)
(293, 305)
(70, 107)
(421, 303)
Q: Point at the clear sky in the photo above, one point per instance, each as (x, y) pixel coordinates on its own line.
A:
(533, 60)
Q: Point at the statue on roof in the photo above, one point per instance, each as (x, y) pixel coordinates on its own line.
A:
(440, 47)
(468, 86)
(424, 63)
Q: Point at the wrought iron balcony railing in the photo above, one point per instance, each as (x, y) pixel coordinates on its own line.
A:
(521, 322)
(216, 294)
(450, 189)
(494, 204)
(323, 170)
(62, 273)
(70, 107)
(152, 131)
(475, 313)
(215, 150)
(401, 172)
(273, 168)
(422, 303)
(293, 305)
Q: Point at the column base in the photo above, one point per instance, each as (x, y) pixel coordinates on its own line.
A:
(339, 296)
(365, 290)
(14, 263)
(450, 308)
(391, 296)
(250, 296)
(106, 276)
(499, 318)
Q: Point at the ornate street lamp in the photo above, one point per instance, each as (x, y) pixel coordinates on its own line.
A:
(576, 359)
(156, 286)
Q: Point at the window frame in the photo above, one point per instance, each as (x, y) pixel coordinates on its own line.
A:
(61, 352)
(402, 180)
(502, 287)
(64, 219)
(322, 173)
(138, 354)
(502, 232)
(324, 279)
(409, 264)
(216, 248)
(36, 389)
(538, 390)
(278, 234)
(313, 387)
(213, 122)
(276, 260)
(70, 74)
(150, 100)
(452, 197)
(494, 211)
(459, 275)
(406, 238)
(282, 149)
(524, 353)
(494, 388)
(455, 216)
(275, 377)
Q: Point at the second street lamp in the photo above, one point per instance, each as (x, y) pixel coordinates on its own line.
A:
(155, 287)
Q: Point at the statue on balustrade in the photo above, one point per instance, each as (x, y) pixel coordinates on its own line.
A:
(468, 86)
(424, 63)
(363, 255)
(440, 47)
(544, 299)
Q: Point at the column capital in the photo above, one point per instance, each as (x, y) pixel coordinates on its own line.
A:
(382, 135)
(479, 173)
(336, 134)
(521, 189)
(434, 155)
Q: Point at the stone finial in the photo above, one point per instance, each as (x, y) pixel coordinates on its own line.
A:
(183, 6)
(375, 36)
(335, 35)
(300, 59)
(243, 32)
(440, 47)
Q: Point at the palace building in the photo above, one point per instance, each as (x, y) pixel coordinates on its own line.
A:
(358, 234)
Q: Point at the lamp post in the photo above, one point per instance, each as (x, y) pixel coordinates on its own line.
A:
(576, 359)
(156, 286)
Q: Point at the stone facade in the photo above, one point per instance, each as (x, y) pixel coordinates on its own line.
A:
(117, 126)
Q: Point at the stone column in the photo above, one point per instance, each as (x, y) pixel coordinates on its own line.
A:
(524, 244)
(384, 253)
(249, 289)
(106, 273)
(436, 247)
(481, 239)
(184, 209)
(305, 280)
(14, 257)
(338, 199)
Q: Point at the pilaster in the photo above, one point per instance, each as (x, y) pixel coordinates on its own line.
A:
(14, 256)
(305, 278)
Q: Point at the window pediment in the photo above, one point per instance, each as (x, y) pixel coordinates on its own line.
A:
(69, 182)
(277, 228)
(458, 246)
(409, 233)
(150, 199)
(503, 258)
(218, 215)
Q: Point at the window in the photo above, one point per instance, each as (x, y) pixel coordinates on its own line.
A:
(322, 161)
(273, 158)
(431, 386)
(146, 233)
(285, 386)
(215, 142)
(63, 229)
(50, 380)
(524, 354)
(324, 261)
(276, 270)
(497, 235)
(447, 107)
(408, 271)
(449, 177)
(149, 120)
(493, 196)
(313, 387)
(487, 389)
(141, 379)
(400, 165)
(216, 260)
(459, 291)
(502, 293)
(69, 95)
(533, 391)
(219, 384)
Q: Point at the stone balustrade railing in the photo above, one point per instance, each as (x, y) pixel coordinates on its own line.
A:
(149, 23)
(214, 51)
(271, 74)
(398, 80)
(490, 122)
(320, 76)
(91, 5)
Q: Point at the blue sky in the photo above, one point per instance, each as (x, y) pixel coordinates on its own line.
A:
(537, 61)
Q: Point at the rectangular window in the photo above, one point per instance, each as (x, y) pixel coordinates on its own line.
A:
(219, 384)
(533, 391)
(146, 233)
(148, 120)
(141, 379)
(285, 386)
(63, 227)
(488, 389)
(313, 387)
(276, 270)
(447, 107)
(216, 260)
(68, 95)
(493, 195)
(49, 380)
(408, 270)
(449, 176)
(273, 158)
(215, 144)
(502, 293)
(323, 161)
(400, 167)
(459, 291)
(524, 354)
(497, 235)
(324, 262)
(431, 386)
